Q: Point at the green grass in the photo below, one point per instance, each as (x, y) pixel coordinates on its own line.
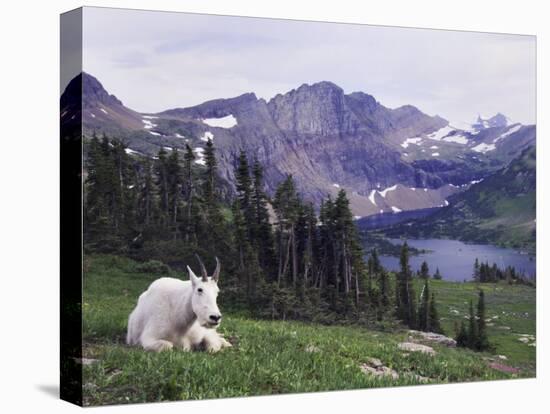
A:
(512, 310)
(271, 357)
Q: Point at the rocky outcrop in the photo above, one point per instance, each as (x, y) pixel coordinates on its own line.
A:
(414, 347)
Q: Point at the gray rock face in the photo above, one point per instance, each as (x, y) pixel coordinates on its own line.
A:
(325, 138)
(321, 136)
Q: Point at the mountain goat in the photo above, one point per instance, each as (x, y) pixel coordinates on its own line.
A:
(173, 312)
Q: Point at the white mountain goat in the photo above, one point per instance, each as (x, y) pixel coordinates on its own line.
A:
(173, 312)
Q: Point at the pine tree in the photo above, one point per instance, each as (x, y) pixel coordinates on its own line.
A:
(188, 193)
(424, 309)
(472, 328)
(424, 270)
(434, 322)
(476, 275)
(384, 289)
(244, 193)
(262, 233)
(161, 172)
(437, 274)
(482, 341)
(286, 205)
(210, 176)
(174, 181)
(406, 310)
(462, 336)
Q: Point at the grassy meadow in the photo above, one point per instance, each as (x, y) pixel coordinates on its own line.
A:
(272, 357)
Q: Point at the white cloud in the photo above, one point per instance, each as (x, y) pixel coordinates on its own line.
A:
(182, 59)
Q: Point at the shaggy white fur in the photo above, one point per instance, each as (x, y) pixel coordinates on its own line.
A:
(173, 312)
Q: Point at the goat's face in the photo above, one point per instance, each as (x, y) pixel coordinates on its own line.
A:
(203, 300)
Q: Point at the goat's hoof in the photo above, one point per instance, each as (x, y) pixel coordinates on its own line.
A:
(162, 346)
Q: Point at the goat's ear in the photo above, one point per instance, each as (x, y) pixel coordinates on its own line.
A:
(192, 276)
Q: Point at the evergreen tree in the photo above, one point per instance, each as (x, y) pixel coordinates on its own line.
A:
(406, 308)
(472, 328)
(482, 341)
(434, 322)
(263, 235)
(286, 205)
(462, 335)
(424, 309)
(384, 289)
(424, 270)
(161, 172)
(188, 193)
(476, 275)
(244, 193)
(210, 176)
(437, 274)
(173, 182)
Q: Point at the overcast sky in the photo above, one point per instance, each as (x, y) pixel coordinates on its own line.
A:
(154, 61)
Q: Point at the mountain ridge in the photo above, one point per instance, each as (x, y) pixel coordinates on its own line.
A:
(325, 138)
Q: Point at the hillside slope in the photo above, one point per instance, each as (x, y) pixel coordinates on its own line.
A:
(273, 357)
(501, 209)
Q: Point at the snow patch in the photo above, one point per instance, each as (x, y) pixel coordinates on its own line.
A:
(435, 154)
(178, 135)
(91, 113)
(149, 117)
(371, 197)
(415, 141)
(357, 217)
(228, 121)
(509, 132)
(395, 209)
(148, 124)
(385, 191)
(457, 138)
(155, 133)
(434, 147)
(103, 110)
(483, 147)
(130, 151)
(446, 203)
(441, 133)
(336, 185)
(425, 190)
(476, 181)
(199, 153)
(207, 136)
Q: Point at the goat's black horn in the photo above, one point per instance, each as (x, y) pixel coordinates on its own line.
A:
(216, 274)
(203, 269)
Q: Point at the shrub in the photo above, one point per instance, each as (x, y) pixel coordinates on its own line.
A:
(153, 266)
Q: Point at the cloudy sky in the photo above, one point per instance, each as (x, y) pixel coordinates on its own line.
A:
(154, 61)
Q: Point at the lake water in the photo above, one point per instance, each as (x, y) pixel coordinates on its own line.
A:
(455, 259)
(381, 220)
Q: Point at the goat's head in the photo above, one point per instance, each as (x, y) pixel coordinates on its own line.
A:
(203, 299)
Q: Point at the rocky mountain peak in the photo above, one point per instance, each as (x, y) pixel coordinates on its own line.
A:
(93, 93)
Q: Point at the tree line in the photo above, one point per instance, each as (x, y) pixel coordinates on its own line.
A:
(485, 273)
(281, 257)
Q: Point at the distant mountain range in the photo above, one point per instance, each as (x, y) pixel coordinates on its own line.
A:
(386, 159)
(500, 209)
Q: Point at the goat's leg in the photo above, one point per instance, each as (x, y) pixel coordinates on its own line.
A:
(214, 342)
(185, 343)
(151, 343)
